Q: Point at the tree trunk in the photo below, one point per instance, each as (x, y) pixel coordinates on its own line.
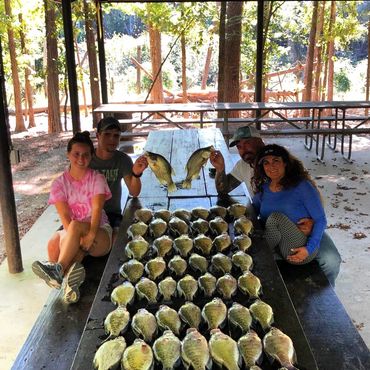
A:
(310, 54)
(183, 73)
(138, 71)
(156, 58)
(81, 77)
(19, 122)
(319, 50)
(232, 58)
(221, 56)
(93, 64)
(27, 72)
(54, 123)
(206, 68)
(331, 53)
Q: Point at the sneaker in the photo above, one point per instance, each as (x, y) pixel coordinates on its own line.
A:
(50, 272)
(74, 278)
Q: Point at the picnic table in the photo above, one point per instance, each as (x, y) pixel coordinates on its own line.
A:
(305, 306)
(319, 129)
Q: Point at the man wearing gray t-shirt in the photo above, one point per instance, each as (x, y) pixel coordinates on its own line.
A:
(116, 165)
(248, 142)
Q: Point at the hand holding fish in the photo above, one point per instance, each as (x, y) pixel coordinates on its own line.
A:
(140, 165)
(217, 160)
(298, 255)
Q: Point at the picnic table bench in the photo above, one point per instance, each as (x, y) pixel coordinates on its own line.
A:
(305, 305)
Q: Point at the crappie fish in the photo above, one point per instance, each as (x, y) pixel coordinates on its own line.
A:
(163, 245)
(250, 347)
(123, 294)
(242, 242)
(243, 225)
(144, 215)
(157, 227)
(226, 285)
(178, 226)
(116, 321)
(109, 354)
(167, 350)
(237, 210)
(262, 313)
(280, 347)
(183, 245)
(222, 263)
(218, 211)
(203, 243)
(218, 225)
(200, 212)
(155, 268)
(198, 262)
(222, 242)
(242, 260)
(187, 287)
(167, 288)
(178, 265)
(250, 284)
(137, 248)
(144, 325)
(199, 226)
(195, 351)
(163, 213)
(146, 288)
(224, 350)
(132, 270)
(207, 283)
(182, 213)
(138, 356)
(190, 314)
(239, 316)
(168, 319)
(214, 313)
(161, 169)
(137, 229)
(195, 163)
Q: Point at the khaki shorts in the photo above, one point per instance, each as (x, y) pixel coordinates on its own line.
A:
(109, 230)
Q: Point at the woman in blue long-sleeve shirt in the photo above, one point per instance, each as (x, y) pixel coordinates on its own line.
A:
(285, 193)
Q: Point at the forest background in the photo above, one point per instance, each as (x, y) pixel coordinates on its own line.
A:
(313, 50)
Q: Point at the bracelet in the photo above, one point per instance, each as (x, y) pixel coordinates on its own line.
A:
(137, 176)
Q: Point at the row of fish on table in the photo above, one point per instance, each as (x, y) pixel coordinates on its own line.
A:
(185, 293)
(164, 172)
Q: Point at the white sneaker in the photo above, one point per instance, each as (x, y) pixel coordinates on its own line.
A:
(73, 280)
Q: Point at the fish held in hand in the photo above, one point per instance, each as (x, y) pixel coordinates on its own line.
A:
(195, 163)
(161, 169)
(280, 347)
(109, 354)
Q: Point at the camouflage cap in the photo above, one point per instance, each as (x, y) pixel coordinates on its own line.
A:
(245, 132)
(108, 123)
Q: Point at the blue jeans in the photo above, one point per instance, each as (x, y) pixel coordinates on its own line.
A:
(329, 258)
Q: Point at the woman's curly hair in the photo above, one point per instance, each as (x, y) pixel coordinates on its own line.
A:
(294, 170)
(81, 138)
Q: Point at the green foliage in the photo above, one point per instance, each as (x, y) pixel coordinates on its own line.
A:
(341, 81)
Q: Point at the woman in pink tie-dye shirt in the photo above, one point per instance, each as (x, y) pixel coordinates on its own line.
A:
(78, 195)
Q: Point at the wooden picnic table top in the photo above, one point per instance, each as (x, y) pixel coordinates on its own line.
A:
(209, 107)
(309, 311)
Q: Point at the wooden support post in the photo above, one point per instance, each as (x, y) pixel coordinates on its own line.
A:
(7, 202)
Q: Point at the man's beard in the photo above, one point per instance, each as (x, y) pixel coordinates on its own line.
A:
(249, 158)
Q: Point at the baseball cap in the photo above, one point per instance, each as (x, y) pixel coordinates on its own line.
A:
(272, 149)
(107, 124)
(245, 132)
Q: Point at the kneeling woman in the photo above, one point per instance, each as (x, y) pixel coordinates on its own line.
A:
(285, 194)
(79, 195)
